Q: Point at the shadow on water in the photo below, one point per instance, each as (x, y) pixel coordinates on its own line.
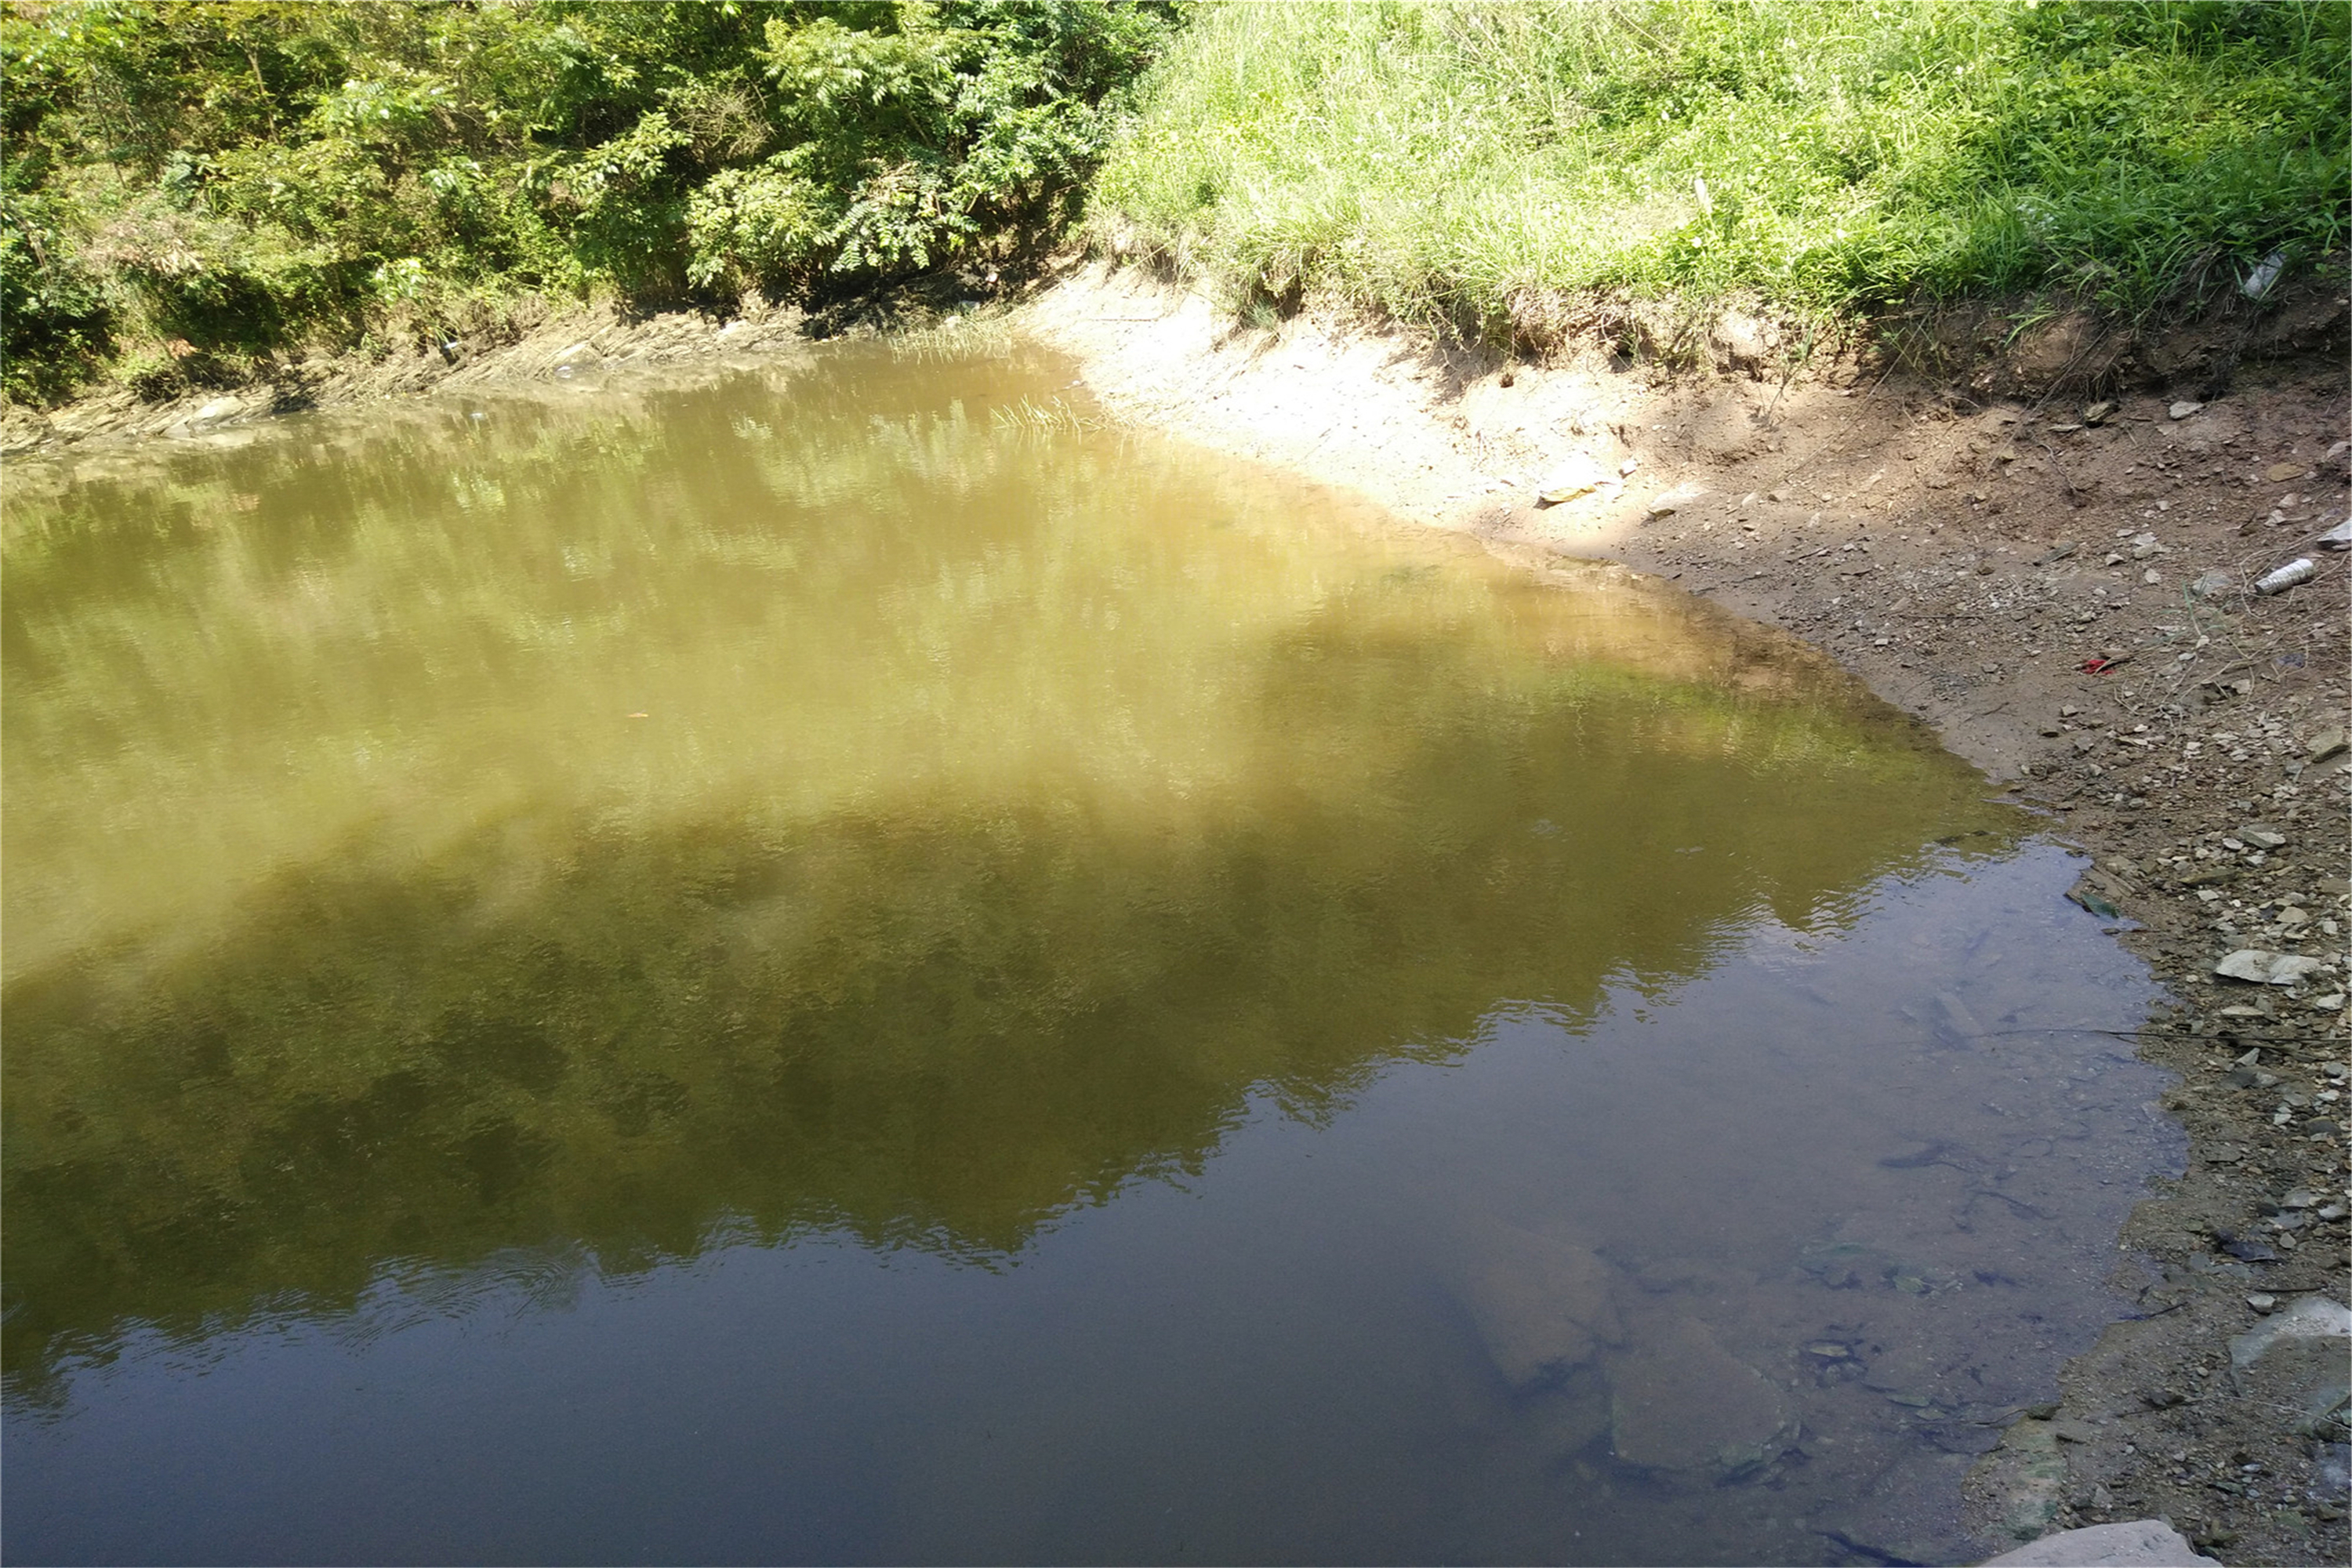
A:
(575, 837)
(936, 1028)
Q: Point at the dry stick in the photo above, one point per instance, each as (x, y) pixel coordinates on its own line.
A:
(2059, 469)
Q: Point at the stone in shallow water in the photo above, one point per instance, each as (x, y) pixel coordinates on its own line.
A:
(1541, 1302)
(1679, 1401)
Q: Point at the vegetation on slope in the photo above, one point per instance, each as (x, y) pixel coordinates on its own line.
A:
(190, 187)
(1477, 164)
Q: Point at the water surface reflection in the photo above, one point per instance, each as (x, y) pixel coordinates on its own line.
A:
(821, 967)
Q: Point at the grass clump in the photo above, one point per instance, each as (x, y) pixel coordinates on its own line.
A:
(187, 188)
(1467, 163)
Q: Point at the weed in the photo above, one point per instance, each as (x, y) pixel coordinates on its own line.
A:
(1458, 163)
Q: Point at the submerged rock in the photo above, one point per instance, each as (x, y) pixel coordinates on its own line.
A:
(1679, 1401)
(1541, 1303)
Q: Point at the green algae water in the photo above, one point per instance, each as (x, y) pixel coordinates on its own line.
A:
(838, 964)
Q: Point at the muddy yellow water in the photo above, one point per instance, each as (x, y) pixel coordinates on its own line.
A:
(842, 963)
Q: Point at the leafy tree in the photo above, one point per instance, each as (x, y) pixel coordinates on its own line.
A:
(186, 188)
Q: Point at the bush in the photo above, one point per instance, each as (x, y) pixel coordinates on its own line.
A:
(240, 178)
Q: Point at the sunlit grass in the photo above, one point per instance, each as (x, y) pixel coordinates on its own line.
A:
(1452, 163)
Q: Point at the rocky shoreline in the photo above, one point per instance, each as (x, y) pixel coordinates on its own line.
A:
(2065, 588)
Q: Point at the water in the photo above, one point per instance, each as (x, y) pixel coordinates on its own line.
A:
(835, 965)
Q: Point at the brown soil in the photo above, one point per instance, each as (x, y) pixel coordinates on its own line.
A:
(2067, 596)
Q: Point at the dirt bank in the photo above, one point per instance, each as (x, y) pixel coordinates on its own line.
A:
(530, 346)
(2066, 590)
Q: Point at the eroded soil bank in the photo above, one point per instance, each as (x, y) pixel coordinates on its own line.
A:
(2065, 592)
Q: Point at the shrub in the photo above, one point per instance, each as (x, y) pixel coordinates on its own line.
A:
(245, 176)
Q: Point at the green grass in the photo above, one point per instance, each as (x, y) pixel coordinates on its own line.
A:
(1480, 164)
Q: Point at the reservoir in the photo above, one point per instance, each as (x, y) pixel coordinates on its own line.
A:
(843, 962)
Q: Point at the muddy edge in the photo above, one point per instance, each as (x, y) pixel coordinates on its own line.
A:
(2062, 589)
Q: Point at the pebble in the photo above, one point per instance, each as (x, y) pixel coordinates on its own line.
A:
(2183, 410)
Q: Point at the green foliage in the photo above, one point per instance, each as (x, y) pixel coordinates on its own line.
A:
(188, 187)
(1450, 161)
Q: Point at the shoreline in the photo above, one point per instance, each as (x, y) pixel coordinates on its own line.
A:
(2063, 593)
(1966, 556)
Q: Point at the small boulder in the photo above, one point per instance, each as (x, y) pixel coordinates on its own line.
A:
(2298, 1360)
(1668, 503)
(1680, 1402)
(1578, 474)
(2260, 968)
(2139, 1543)
(1541, 1303)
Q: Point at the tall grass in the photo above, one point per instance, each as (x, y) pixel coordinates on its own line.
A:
(1457, 162)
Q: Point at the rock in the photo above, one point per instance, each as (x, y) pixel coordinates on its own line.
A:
(2139, 1543)
(578, 354)
(1679, 1403)
(2298, 1362)
(2294, 574)
(219, 408)
(2025, 1476)
(2243, 1250)
(2279, 473)
(1580, 474)
(1669, 503)
(2337, 538)
(2258, 967)
(2262, 835)
(2183, 410)
(1541, 1303)
(1570, 1417)
(2086, 894)
(22, 429)
(2304, 1326)
(2323, 745)
(1955, 1024)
